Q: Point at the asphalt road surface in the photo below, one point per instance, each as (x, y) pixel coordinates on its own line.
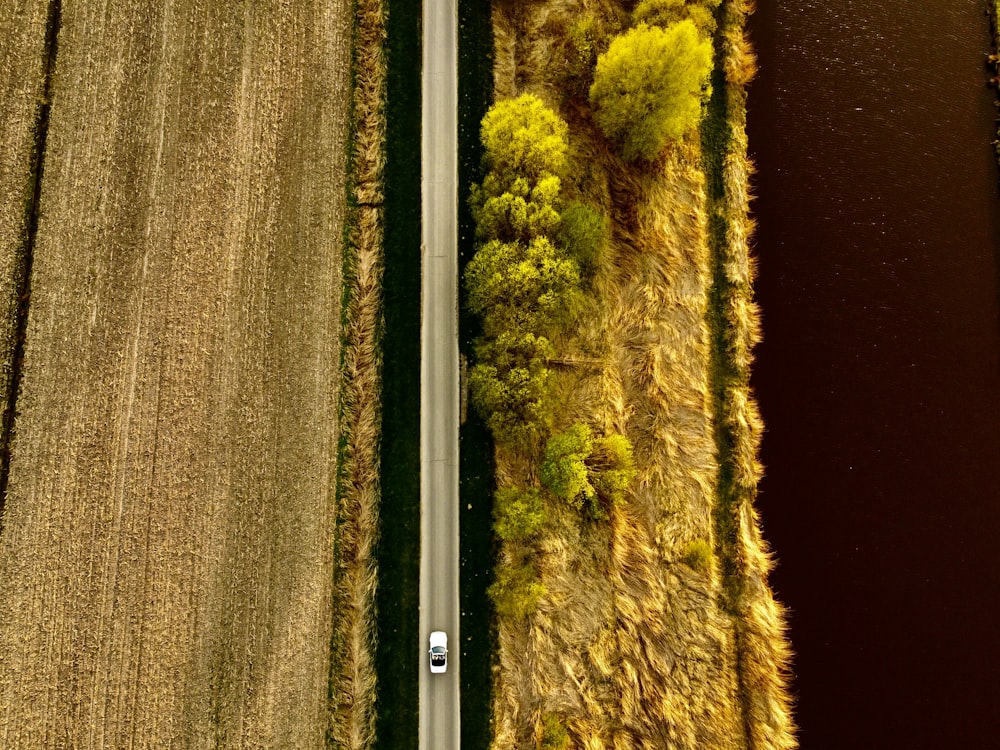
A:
(439, 609)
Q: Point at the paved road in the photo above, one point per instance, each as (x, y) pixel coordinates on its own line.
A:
(439, 609)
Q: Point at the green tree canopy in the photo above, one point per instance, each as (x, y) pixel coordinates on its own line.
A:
(564, 469)
(516, 591)
(523, 139)
(583, 234)
(648, 87)
(520, 287)
(588, 472)
(516, 402)
(519, 211)
(518, 513)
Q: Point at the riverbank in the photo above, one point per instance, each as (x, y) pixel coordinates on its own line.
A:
(657, 626)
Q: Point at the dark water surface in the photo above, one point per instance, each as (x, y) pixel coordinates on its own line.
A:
(879, 375)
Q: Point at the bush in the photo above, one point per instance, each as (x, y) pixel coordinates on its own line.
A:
(648, 87)
(516, 403)
(564, 470)
(612, 467)
(520, 213)
(698, 555)
(523, 139)
(518, 513)
(516, 591)
(588, 473)
(583, 234)
(513, 286)
(555, 736)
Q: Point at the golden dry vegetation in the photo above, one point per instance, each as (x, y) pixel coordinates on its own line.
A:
(353, 678)
(167, 555)
(23, 62)
(637, 643)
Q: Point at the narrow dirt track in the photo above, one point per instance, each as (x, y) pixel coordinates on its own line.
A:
(167, 555)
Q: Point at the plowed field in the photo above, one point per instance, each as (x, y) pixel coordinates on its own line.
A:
(166, 559)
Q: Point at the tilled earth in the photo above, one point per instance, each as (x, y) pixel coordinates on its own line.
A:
(166, 559)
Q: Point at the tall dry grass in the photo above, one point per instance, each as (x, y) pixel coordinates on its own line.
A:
(763, 649)
(631, 647)
(353, 677)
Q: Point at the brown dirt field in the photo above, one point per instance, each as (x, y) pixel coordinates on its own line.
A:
(166, 563)
(631, 647)
(22, 88)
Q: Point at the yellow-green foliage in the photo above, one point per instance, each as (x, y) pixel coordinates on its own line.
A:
(554, 734)
(583, 234)
(518, 513)
(516, 591)
(520, 287)
(588, 473)
(648, 87)
(523, 139)
(698, 555)
(666, 12)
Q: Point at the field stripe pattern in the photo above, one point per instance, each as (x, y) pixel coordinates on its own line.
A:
(167, 557)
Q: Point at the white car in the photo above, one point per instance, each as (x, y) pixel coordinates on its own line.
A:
(439, 652)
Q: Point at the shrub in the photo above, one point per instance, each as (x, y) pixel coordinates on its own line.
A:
(588, 473)
(516, 403)
(555, 736)
(698, 555)
(564, 470)
(612, 467)
(583, 234)
(516, 591)
(514, 286)
(524, 139)
(648, 87)
(520, 213)
(583, 42)
(518, 513)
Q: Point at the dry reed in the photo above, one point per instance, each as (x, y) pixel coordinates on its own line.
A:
(762, 645)
(353, 677)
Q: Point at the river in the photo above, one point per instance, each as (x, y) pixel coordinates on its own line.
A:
(879, 374)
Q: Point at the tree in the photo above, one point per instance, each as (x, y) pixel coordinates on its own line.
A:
(516, 403)
(648, 87)
(518, 513)
(564, 469)
(520, 213)
(589, 473)
(523, 139)
(518, 287)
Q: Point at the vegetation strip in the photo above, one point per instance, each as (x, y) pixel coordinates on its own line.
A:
(353, 679)
(628, 612)
(763, 652)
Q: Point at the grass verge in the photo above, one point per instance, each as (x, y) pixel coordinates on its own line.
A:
(475, 88)
(352, 683)
(398, 551)
(762, 650)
